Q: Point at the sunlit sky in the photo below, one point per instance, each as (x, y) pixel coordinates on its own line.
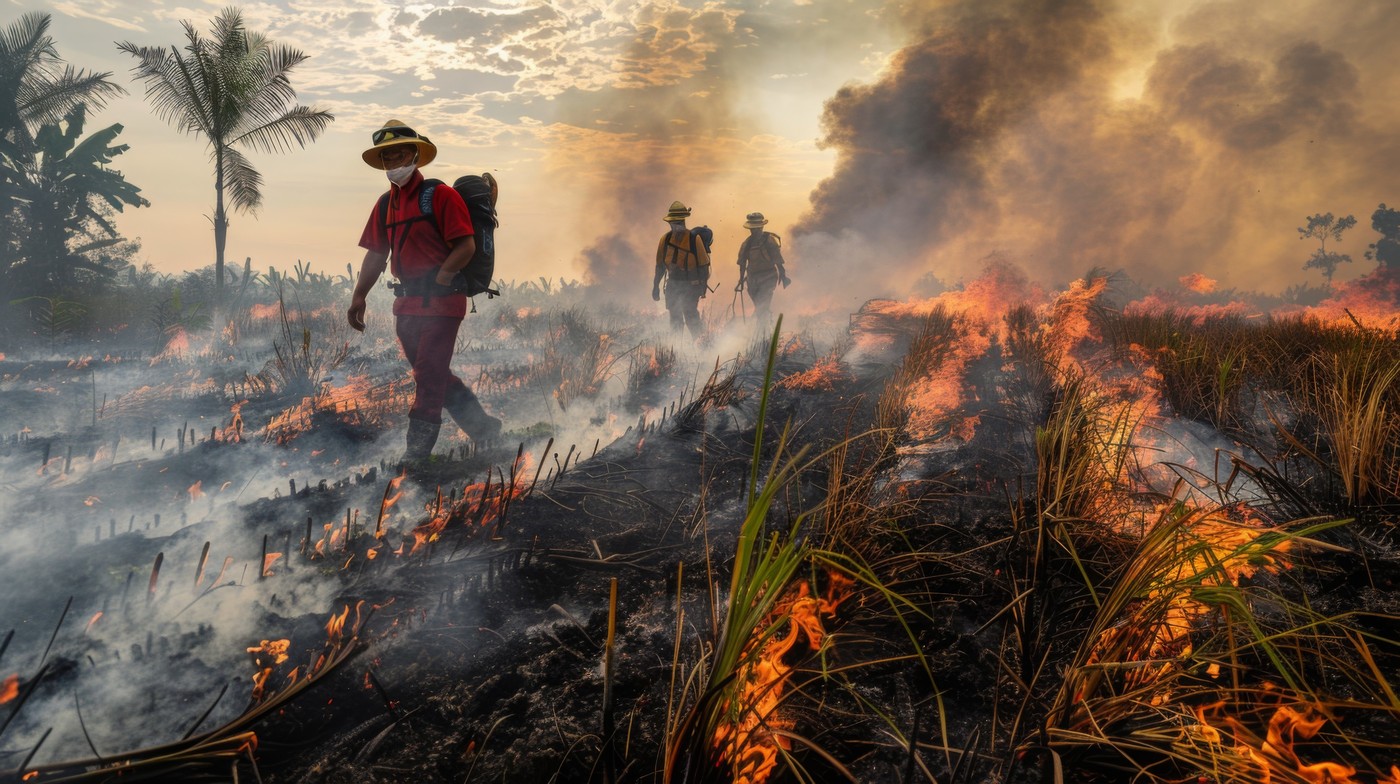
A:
(1180, 136)
(528, 91)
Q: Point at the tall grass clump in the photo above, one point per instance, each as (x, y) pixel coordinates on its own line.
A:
(1354, 394)
(1201, 662)
(710, 697)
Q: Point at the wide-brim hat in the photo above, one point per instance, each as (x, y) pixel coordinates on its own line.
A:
(755, 220)
(678, 212)
(394, 133)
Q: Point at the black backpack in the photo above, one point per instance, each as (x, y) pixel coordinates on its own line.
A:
(475, 278)
(705, 234)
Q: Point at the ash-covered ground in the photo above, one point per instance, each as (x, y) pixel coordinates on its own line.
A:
(182, 526)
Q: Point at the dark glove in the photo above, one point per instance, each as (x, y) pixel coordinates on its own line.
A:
(785, 280)
(740, 285)
(655, 293)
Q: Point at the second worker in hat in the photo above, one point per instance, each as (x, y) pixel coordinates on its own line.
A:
(761, 264)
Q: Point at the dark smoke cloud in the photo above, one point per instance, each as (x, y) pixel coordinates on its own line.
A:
(1001, 128)
(914, 147)
(1250, 105)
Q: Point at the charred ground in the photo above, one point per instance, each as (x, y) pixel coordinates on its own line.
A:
(1021, 540)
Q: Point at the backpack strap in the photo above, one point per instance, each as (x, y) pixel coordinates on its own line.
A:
(425, 212)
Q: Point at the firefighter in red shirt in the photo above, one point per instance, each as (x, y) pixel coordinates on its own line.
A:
(426, 251)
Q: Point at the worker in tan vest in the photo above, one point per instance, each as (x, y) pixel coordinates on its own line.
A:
(760, 264)
(683, 261)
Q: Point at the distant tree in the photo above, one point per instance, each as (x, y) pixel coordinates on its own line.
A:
(36, 87)
(232, 89)
(1386, 250)
(65, 193)
(1321, 227)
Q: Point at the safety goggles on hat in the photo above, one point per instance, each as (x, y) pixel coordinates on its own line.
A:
(393, 132)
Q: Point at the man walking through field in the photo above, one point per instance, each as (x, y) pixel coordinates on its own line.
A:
(684, 263)
(427, 251)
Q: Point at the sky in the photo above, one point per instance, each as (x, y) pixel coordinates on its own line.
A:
(887, 142)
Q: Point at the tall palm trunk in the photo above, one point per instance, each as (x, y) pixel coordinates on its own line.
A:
(220, 226)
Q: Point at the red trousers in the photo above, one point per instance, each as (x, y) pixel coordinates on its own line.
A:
(428, 342)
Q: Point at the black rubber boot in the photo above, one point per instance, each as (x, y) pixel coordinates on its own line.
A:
(421, 437)
(467, 412)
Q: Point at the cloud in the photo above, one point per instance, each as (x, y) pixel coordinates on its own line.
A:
(102, 11)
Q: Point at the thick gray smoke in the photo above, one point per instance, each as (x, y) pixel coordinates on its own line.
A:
(1063, 135)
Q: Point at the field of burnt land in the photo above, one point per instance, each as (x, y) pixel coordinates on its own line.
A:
(995, 535)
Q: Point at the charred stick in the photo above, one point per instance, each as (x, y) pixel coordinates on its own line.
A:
(67, 606)
(155, 576)
(33, 751)
(609, 762)
(262, 565)
(305, 543)
(206, 713)
(390, 705)
(78, 709)
(126, 589)
(199, 570)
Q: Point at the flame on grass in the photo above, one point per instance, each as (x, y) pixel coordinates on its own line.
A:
(823, 376)
(357, 401)
(1275, 756)
(1196, 314)
(1198, 283)
(1373, 300)
(9, 688)
(749, 743)
(233, 432)
(480, 505)
(1212, 547)
(266, 656)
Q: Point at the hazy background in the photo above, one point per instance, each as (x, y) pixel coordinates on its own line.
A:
(885, 141)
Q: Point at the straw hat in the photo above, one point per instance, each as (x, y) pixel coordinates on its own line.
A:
(755, 220)
(678, 212)
(394, 133)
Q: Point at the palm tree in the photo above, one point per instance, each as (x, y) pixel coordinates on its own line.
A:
(66, 193)
(34, 89)
(232, 89)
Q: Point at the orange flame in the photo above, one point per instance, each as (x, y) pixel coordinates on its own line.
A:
(91, 622)
(823, 375)
(9, 688)
(1373, 300)
(266, 656)
(196, 490)
(1198, 283)
(1276, 753)
(750, 745)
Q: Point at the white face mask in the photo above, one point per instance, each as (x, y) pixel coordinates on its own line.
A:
(400, 175)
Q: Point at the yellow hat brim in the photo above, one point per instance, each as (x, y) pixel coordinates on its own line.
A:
(427, 151)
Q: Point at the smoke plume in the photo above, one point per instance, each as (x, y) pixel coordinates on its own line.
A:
(1069, 135)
